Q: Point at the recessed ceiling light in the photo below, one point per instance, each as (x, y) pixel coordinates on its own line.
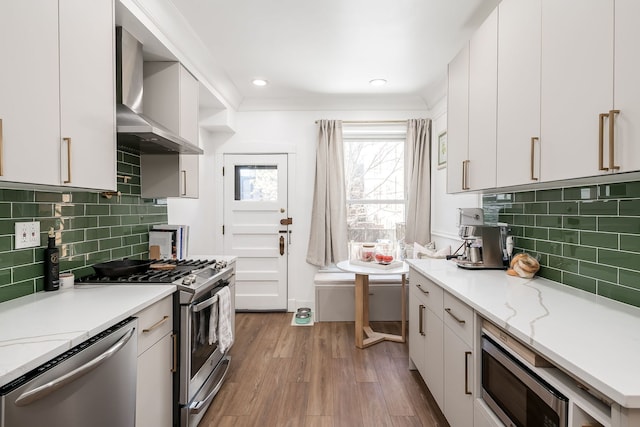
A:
(259, 82)
(377, 82)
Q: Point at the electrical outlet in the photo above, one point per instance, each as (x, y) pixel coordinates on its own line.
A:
(27, 234)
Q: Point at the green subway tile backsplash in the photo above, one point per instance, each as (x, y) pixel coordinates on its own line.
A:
(629, 243)
(563, 208)
(587, 237)
(89, 229)
(619, 224)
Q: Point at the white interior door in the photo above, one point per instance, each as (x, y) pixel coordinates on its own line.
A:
(255, 207)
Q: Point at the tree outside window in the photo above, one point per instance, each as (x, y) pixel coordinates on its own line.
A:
(374, 175)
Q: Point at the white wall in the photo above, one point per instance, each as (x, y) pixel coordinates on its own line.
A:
(292, 132)
(444, 207)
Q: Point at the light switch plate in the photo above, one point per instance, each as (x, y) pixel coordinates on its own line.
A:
(27, 234)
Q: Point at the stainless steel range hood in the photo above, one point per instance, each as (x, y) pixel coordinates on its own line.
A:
(135, 131)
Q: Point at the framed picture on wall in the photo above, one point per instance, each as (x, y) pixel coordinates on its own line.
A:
(442, 150)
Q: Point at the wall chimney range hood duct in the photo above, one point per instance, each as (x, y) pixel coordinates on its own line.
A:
(135, 131)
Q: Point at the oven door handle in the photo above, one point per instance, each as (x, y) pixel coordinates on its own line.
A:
(204, 304)
(200, 405)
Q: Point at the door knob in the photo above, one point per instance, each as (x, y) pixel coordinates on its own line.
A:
(286, 221)
(281, 245)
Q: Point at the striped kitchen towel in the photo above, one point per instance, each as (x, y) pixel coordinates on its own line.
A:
(225, 325)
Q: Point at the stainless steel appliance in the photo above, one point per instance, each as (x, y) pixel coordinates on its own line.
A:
(92, 384)
(136, 131)
(484, 247)
(517, 395)
(203, 362)
(202, 365)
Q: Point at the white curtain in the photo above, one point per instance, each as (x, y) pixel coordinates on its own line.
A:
(418, 181)
(328, 237)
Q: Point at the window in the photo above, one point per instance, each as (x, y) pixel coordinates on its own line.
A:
(256, 183)
(374, 177)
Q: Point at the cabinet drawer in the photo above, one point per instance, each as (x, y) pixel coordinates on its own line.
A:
(154, 322)
(459, 317)
(430, 292)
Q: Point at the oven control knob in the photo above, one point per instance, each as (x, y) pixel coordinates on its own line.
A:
(189, 279)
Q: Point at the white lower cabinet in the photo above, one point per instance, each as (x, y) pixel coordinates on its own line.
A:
(417, 334)
(483, 416)
(440, 346)
(444, 345)
(154, 389)
(434, 370)
(458, 384)
(156, 352)
(425, 335)
(459, 363)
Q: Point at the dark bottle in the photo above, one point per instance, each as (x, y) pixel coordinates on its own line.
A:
(51, 264)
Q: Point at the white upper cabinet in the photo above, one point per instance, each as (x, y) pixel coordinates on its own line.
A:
(567, 90)
(577, 85)
(57, 99)
(483, 75)
(29, 83)
(471, 112)
(627, 89)
(171, 96)
(87, 94)
(458, 121)
(518, 129)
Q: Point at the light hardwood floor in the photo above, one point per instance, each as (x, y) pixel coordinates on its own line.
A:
(283, 375)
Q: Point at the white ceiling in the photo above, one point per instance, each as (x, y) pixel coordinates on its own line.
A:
(321, 53)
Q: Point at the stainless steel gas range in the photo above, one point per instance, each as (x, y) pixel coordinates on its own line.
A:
(204, 317)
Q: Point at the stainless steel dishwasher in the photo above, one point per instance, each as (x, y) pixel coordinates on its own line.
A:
(92, 384)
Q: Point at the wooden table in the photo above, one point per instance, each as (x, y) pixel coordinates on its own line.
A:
(363, 329)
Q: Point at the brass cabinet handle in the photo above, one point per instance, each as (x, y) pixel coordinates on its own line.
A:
(421, 319)
(533, 143)
(612, 114)
(466, 372)
(184, 182)
(281, 245)
(465, 174)
(1, 151)
(601, 118)
(423, 291)
(174, 368)
(156, 325)
(68, 141)
(459, 320)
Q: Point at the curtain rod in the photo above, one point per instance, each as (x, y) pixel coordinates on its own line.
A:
(366, 122)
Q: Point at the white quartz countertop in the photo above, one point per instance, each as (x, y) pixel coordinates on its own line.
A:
(594, 338)
(36, 328)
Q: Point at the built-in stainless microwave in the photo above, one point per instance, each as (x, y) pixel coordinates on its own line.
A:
(516, 394)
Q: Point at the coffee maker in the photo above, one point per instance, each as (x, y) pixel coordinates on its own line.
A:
(484, 245)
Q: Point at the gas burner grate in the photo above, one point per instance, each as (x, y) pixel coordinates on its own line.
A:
(183, 269)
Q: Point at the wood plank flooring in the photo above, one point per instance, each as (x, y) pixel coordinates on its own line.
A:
(314, 376)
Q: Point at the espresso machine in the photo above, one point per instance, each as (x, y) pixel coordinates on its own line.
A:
(484, 245)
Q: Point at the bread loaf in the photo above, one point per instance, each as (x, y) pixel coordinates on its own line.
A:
(523, 265)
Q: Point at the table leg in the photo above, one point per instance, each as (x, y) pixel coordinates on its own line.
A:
(362, 308)
(364, 335)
